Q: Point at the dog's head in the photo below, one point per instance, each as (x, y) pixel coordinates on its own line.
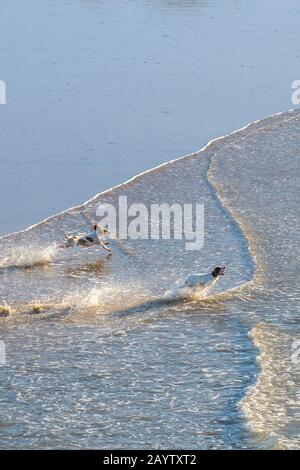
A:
(101, 229)
(218, 271)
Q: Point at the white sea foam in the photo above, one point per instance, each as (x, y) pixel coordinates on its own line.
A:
(29, 256)
(180, 291)
(271, 404)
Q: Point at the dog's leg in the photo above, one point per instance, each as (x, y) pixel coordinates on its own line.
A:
(104, 245)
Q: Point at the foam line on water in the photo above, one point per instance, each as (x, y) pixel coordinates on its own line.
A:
(102, 193)
(270, 404)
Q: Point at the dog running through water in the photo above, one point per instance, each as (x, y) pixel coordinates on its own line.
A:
(202, 282)
(98, 237)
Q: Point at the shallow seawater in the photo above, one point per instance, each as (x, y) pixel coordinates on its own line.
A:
(266, 160)
(97, 356)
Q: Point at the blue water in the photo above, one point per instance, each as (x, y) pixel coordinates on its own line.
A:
(100, 91)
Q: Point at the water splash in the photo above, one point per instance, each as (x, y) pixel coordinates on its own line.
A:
(106, 297)
(29, 256)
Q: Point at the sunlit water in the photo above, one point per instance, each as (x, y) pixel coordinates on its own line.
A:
(98, 356)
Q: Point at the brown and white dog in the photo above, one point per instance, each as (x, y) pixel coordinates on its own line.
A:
(97, 237)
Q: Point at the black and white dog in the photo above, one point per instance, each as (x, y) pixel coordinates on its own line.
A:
(97, 237)
(202, 282)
